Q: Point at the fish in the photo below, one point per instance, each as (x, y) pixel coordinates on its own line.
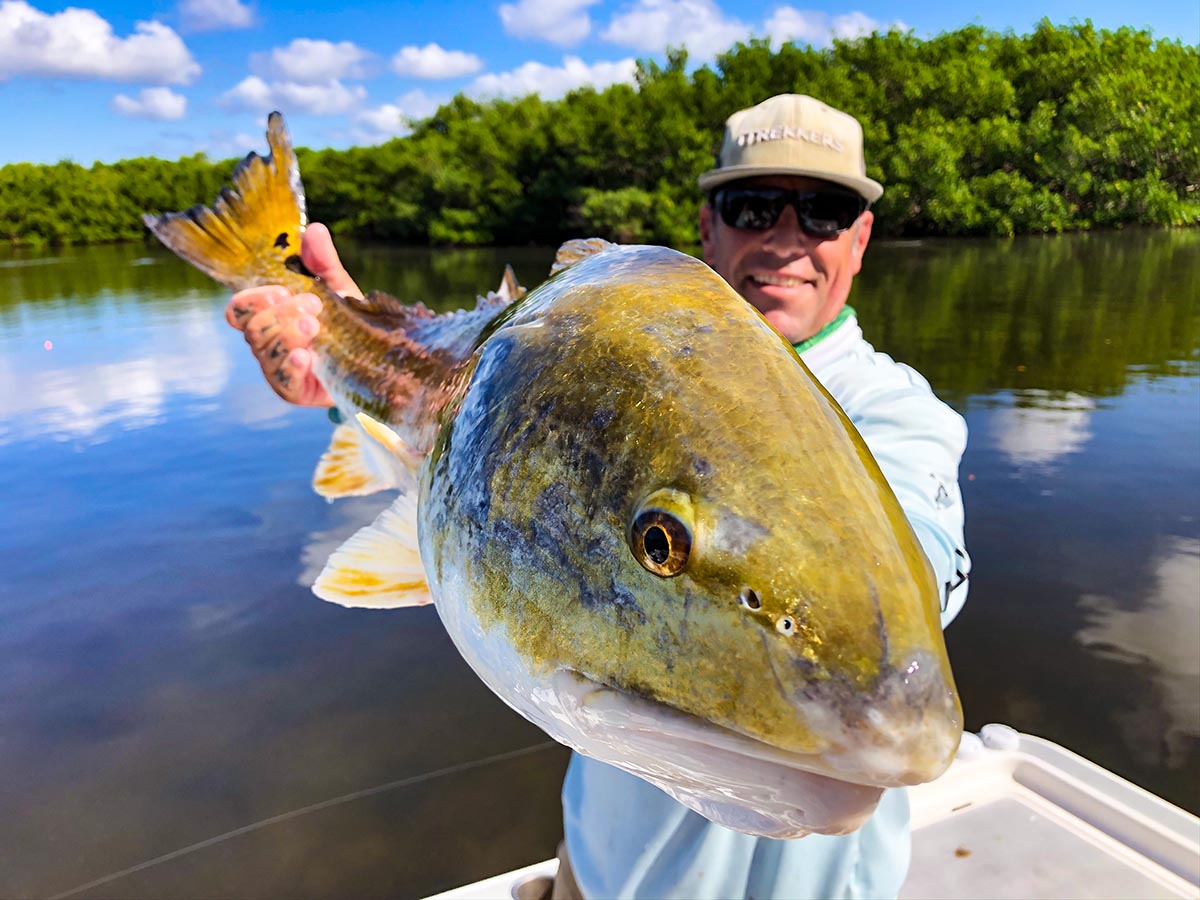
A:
(642, 521)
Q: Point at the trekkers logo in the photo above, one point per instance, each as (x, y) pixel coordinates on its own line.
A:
(820, 138)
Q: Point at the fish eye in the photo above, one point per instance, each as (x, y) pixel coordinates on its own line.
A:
(749, 598)
(661, 535)
(786, 625)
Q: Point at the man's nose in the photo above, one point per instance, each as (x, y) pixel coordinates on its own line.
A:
(786, 233)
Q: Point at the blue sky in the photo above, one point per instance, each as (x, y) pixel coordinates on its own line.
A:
(169, 78)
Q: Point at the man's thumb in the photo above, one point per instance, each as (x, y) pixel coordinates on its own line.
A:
(321, 258)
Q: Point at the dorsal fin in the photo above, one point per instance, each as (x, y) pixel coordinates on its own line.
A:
(580, 248)
(510, 289)
(251, 234)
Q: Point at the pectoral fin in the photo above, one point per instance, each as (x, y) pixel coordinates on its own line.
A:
(350, 467)
(380, 567)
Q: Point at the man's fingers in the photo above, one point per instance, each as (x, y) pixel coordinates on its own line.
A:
(245, 304)
(294, 320)
(321, 258)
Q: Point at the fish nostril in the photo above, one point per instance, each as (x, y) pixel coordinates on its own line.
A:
(749, 598)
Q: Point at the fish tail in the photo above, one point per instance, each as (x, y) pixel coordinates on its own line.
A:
(251, 234)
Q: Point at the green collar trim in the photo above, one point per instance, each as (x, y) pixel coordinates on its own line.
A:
(847, 312)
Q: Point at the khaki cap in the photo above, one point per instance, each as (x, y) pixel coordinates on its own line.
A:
(793, 134)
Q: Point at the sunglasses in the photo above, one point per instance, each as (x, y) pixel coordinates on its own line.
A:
(822, 214)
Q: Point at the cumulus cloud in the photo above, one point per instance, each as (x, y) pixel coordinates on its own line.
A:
(552, 82)
(699, 25)
(382, 123)
(78, 43)
(307, 61)
(431, 61)
(152, 103)
(562, 22)
(213, 15)
(331, 98)
(808, 26)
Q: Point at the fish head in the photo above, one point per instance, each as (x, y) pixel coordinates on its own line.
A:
(651, 531)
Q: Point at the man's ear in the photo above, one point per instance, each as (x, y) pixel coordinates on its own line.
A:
(862, 236)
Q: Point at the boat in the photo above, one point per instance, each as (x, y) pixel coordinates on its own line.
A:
(1015, 816)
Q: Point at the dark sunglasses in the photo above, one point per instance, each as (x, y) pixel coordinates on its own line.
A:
(822, 214)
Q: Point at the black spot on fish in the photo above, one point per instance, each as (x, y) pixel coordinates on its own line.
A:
(282, 241)
(294, 264)
(702, 466)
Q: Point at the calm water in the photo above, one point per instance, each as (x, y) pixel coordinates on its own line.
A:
(167, 681)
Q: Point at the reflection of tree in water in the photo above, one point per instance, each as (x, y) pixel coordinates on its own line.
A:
(1058, 314)
(1162, 636)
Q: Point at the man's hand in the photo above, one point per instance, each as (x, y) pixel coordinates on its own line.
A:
(279, 326)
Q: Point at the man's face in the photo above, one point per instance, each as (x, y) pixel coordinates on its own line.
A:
(798, 282)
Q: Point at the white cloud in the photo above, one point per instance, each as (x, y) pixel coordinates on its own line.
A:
(809, 26)
(859, 24)
(382, 123)
(78, 43)
(307, 61)
(699, 25)
(332, 98)
(804, 26)
(431, 61)
(552, 82)
(211, 15)
(152, 103)
(562, 22)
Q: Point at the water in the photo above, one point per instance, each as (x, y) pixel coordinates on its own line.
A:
(171, 693)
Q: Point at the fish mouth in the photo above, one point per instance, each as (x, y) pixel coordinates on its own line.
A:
(730, 778)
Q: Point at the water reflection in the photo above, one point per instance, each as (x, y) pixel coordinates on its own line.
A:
(112, 372)
(166, 676)
(1161, 639)
(1040, 427)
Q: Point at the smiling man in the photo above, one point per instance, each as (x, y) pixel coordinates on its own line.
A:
(787, 223)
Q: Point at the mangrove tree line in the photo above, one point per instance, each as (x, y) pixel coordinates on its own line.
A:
(971, 132)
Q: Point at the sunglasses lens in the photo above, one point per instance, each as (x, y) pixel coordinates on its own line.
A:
(751, 210)
(831, 212)
(822, 214)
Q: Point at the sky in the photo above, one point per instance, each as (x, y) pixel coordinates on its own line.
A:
(169, 78)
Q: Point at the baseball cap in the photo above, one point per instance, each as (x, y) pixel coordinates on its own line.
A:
(793, 134)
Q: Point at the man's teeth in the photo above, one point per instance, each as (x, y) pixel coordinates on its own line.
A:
(780, 280)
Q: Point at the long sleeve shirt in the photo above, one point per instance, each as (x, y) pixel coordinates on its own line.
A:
(628, 839)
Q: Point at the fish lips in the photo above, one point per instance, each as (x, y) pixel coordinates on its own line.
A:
(734, 780)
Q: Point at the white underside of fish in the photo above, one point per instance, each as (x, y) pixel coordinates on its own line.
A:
(729, 778)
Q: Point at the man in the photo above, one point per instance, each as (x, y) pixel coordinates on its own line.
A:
(787, 223)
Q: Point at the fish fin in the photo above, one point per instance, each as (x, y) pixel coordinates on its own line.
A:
(251, 233)
(352, 467)
(510, 289)
(409, 458)
(580, 248)
(380, 566)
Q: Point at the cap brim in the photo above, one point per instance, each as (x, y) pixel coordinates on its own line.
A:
(866, 187)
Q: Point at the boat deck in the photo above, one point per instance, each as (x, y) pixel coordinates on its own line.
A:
(1016, 816)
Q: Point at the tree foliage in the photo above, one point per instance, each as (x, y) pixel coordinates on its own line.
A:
(971, 132)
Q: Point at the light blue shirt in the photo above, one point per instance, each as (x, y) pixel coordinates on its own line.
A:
(628, 839)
